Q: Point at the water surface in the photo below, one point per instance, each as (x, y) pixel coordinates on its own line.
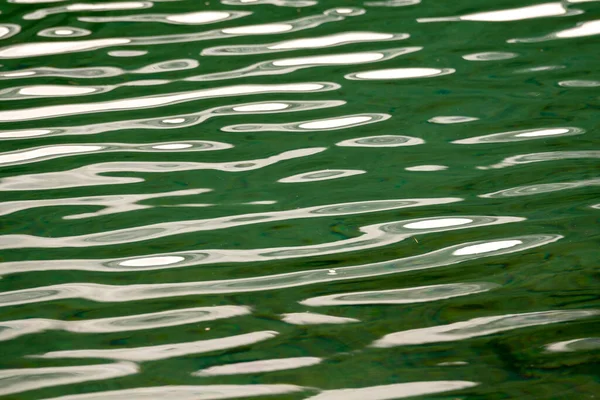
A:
(299, 199)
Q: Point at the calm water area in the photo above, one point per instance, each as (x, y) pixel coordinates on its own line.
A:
(299, 199)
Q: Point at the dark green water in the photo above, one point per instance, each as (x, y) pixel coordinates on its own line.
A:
(299, 199)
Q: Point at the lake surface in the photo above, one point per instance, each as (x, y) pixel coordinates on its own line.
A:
(299, 199)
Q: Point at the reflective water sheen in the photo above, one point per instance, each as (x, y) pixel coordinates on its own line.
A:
(299, 199)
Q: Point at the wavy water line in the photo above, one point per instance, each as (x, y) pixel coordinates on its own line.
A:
(555, 9)
(113, 204)
(9, 30)
(44, 153)
(307, 318)
(401, 296)
(382, 141)
(100, 72)
(374, 236)
(200, 392)
(327, 124)
(392, 3)
(91, 175)
(12, 329)
(279, 3)
(24, 379)
(394, 391)
(318, 42)
(64, 31)
(289, 65)
(176, 121)
(540, 188)
(480, 327)
(582, 29)
(165, 351)
(57, 91)
(162, 100)
(38, 49)
(165, 229)
(541, 157)
(77, 7)
(522, 135)
(583, 344)
(439, 258)
(260, 366)
(189, 18)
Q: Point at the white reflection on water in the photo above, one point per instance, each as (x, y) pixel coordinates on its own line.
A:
(20, 380)
(165, 351)
(112, 293)
(394, 391)
(480, 327)
(260, 366)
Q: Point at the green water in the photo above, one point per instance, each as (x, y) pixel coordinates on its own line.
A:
(285, 199)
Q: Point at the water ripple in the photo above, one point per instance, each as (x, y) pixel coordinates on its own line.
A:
(261, 366)
(33, 49)
(336, 39)
(373, 236)
(38, 154)
(25, 379)
(541, 157)
(13, 329)
(155, 231)
(401, 296)
(161, 100)
(329, 124)
(89, 7)
(480, 327)
(162, 352)
(189, 18)
(175, 121)
(527, 134)
(288, 65)
(200, 392)
(438, 258)
(394, 391)
(91, 175)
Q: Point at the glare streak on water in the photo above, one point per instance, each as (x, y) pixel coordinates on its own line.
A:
(189, 392)
(401, 296)
(13, 329)
(162, 352)
(394, 391)
(88, 7)
(342, 122)
(28, 114)
(443, 257)
(480, 327)
(253, 367)
(541, 157)
(373, 236)
(154, 231)
(191, 18)
(90, 175)
(287, 65)
(513, 14)
(540, 188)
(54, 48)
(527, 134)
(25, 379)
(50, 152)
(112, 204)
(176, 121)
(336, 39)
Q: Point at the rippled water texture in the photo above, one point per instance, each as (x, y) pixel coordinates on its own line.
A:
(299, 199)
